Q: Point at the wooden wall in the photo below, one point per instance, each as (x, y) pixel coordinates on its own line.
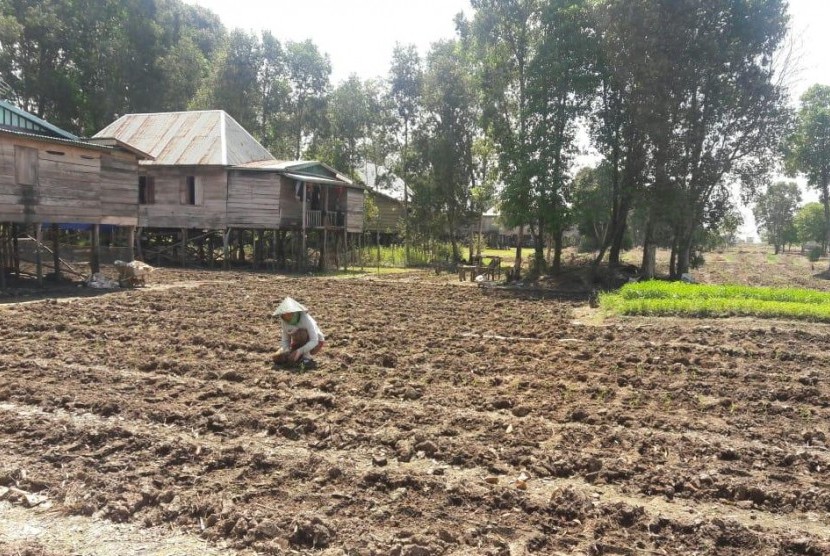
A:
(119, 189)
(42, 181)
(171, 211)
(291, 209)
(390, 214)
(354, 210)
(254, 199)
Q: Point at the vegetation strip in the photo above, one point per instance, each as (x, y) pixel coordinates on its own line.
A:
(672, 298)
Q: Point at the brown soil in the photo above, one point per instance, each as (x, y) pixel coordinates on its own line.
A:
(442, 419)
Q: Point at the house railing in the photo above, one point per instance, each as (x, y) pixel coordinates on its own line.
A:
(317, 218)
(313, 219)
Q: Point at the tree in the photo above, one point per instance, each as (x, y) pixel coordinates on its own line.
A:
(405, 89)
(507, 35)
(683, 136)
(308, 76)
(807, 150)
(446, 136)
(233, 85)
(349, 119)
(559, 86)
(810, 224)
(775, 212)
(592, 199)
(81, 63)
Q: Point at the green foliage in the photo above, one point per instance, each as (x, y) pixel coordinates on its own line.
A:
(814, 254)
(78, 64)
(676, 298)
(810, 224)
(775, 212)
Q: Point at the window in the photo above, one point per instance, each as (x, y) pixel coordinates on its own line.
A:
(190, 191)
(25, 165)
(146, 190)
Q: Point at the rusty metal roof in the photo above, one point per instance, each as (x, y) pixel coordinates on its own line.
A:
(196, 138)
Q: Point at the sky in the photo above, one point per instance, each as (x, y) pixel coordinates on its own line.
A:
(360, 35)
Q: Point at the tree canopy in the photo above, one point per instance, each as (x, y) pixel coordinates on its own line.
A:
(498, 115)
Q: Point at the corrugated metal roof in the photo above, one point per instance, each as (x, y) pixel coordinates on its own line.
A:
(55, 140)
(312, 171)
(14, 117)
(196, 138)
(313, 179)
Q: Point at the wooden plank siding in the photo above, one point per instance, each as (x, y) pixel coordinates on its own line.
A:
(354, 210)
(254, 199)
(170, 209)
(291, 208)
(390, 215)
(119, 189)
(43, 181)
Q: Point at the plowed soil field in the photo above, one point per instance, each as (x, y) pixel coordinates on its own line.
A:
(443, 418)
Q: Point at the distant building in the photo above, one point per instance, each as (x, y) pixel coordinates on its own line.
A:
(209, 174)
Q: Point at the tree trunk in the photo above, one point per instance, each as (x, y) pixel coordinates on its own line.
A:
(647, 268)
(517, 265)
(825, 199)
(684, 254)
(556, 263)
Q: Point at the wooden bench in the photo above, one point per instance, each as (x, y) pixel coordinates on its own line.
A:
(469, 269)
(492, 270)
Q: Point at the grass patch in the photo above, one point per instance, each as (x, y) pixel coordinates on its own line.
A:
(677, 298)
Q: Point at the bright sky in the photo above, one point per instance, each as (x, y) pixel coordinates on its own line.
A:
(358, 35)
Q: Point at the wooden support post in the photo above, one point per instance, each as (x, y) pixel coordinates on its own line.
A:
(131, 243)
(184, 248)
(304, 253)
(138, 251)
(38, 257)
(226, 250)
(95, 255)
(56, 246)
(2, 256)
(15, 252)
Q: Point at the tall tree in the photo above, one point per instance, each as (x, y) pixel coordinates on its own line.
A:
(349, 115)
(446, 136)
(775, 212)
(559, 86)
(808, 148)
(308, 75)
(507, 35)
(233, 85)
(405, 87)
(686, 134)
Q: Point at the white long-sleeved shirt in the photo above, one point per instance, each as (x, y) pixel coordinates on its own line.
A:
(315, 335)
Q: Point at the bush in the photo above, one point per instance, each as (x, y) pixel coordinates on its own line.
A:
(814, 253)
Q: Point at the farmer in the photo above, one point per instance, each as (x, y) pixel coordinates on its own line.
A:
(301, 337)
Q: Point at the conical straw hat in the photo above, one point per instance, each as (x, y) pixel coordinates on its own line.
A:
(288, 305)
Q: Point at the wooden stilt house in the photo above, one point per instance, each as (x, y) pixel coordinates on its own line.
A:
(209, 176)
(50, 176)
